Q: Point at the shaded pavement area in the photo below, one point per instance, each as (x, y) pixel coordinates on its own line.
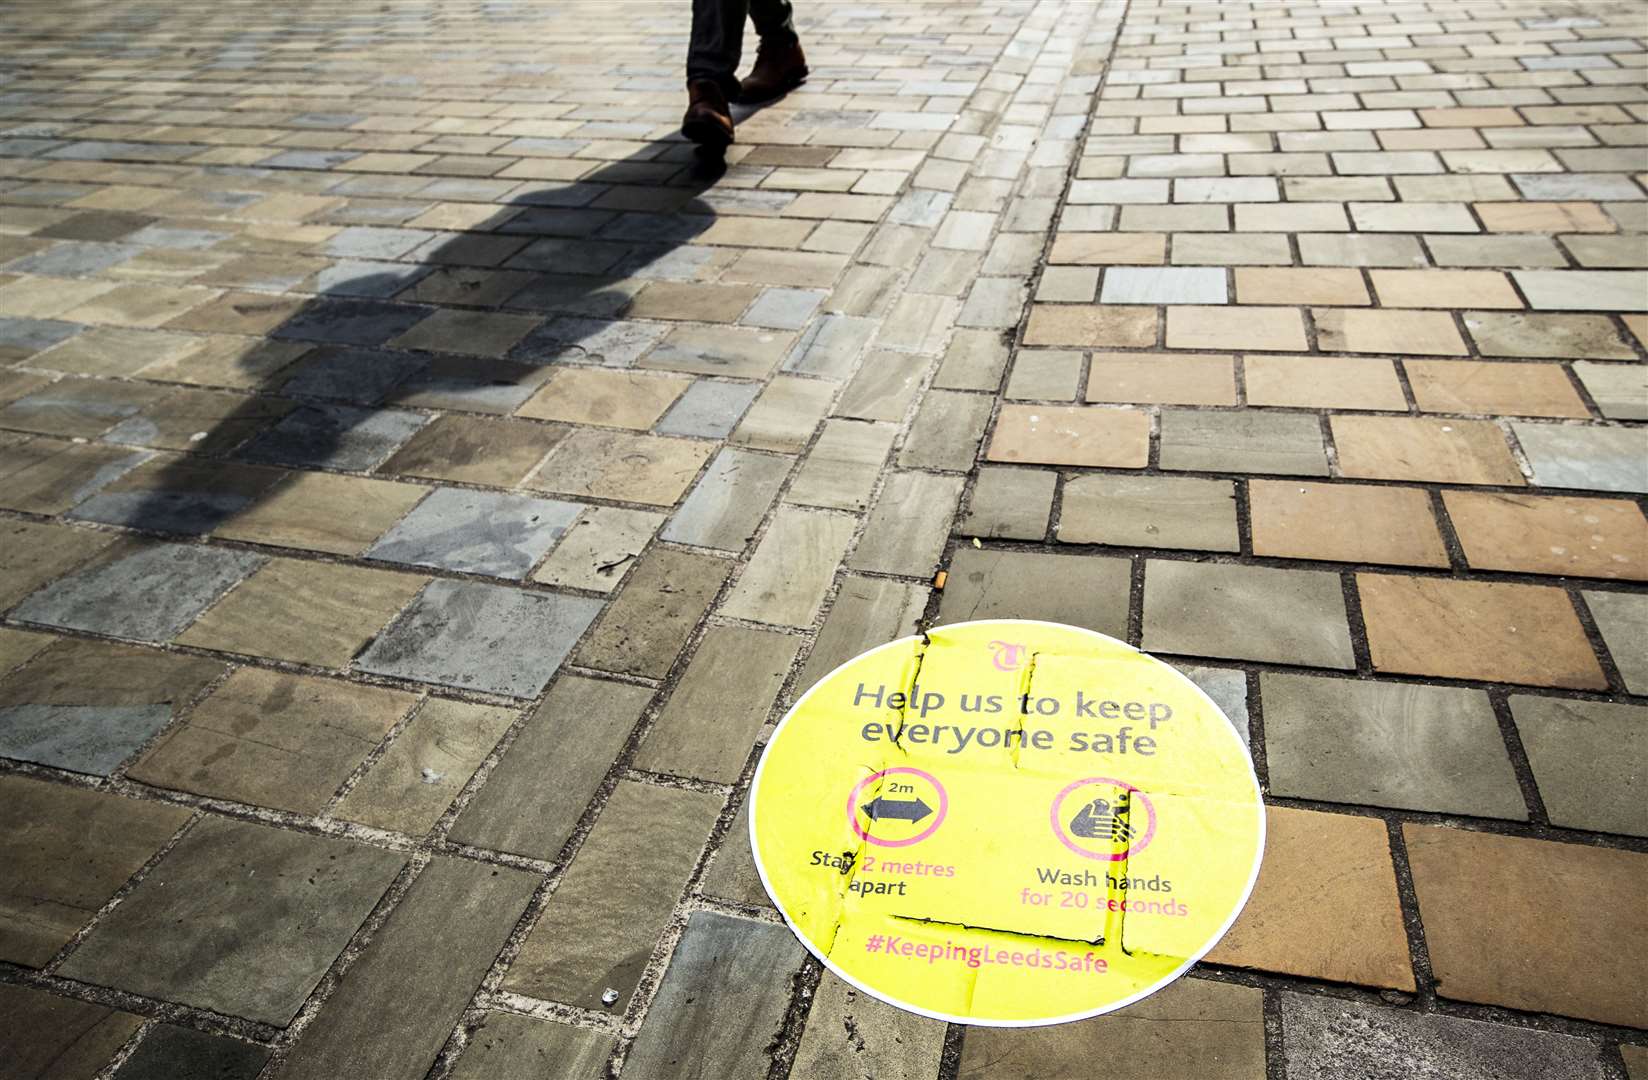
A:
(425, 480)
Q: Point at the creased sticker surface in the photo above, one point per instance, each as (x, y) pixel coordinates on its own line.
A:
(1007, 823)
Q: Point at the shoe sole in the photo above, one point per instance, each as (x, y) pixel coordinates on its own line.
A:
(707, 133)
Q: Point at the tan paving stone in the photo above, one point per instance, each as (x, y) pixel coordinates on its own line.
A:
(619, 465)
(1091, 325)
(1543, 217)
(272, 739)
(323, 512)
(60, 1038)
(1353, 523)
(424, 769)
(1271, 329)
(304, 612)
(692, 302)
(1416, 448)
(1551, 534)
(67, 850)
(1583, 964)
(608, 398)
(1381, 331)
(1325, 905)
(1486, 388)
(33, 553)
(1161, 378)
(1297, 286)
(1323, 382)
(1497, 632)
(1071, 435)
(474, 450)
(1443, 289)
(1109, 249)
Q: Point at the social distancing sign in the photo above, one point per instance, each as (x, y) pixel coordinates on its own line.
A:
(1007, 823)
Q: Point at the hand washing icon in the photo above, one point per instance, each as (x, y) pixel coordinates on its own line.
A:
(1097, 820)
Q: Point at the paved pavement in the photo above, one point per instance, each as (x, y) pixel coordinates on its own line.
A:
(416, 470)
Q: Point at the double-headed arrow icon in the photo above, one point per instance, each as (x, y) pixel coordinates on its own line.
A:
(880, 809)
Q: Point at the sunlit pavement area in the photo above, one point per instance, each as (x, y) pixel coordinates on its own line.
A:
(424, 482)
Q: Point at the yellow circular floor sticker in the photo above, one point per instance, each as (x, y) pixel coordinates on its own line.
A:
(1007, 823)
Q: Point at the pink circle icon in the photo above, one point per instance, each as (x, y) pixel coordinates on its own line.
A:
(883, 808)
(1100, 819)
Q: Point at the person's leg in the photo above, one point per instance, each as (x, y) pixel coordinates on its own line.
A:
(774, 21)
(780, 65)
(717, 42)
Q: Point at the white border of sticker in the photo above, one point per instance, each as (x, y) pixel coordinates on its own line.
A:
(1174, 975)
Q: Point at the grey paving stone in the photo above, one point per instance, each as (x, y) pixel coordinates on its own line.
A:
(170, 1052)
(1246, 613)
(909, 525)
(471, 384)
(1586, 758)
(1623, 620)
(366, 279)
(1192, 1030)
(974, 360)
(1432, 748)
(21, 338)
(711, 721)
(74, 258)
(791, 569)
(335, 437)
(1013, 504)
(1045, 375)
(1588, 458)
(1564, 186)
(1082, 590)
(717, 350)
(851, 1034)
(1620, 390)
(1163, 285)
(883, 387)
(351, 322)
(1327, 1038)
(374, 243)
(78, 407)
(1287, 444)
(1228, 689)
(392, 1014)
(643, 631)
(81, 738)
(729, 982)
(993, 303)
(842, 467)
(355, 376)
(708, 410)
(184, 496)
(143, 591)
(1150, 512)
(727, 504)
(603, 921)
(481, 637)
(478, 532)
(508, 1046)
(732, 874)
(785, 414)
(946, 432)
(532, 800)
(784, 309)
(867, 612)
(238, 918)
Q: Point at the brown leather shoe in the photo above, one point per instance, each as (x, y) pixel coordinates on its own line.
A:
(709, 119)
(778, 68)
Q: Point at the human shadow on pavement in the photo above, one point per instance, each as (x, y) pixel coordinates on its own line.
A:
(570, 255)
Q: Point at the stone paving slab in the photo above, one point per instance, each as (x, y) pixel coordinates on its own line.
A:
(464, 468)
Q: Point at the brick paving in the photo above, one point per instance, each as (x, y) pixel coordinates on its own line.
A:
(416, 469)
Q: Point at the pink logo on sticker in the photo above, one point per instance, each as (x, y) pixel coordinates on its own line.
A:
(1007, 655)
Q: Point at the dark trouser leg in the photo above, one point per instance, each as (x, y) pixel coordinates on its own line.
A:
(717, 41)
(774, 21)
